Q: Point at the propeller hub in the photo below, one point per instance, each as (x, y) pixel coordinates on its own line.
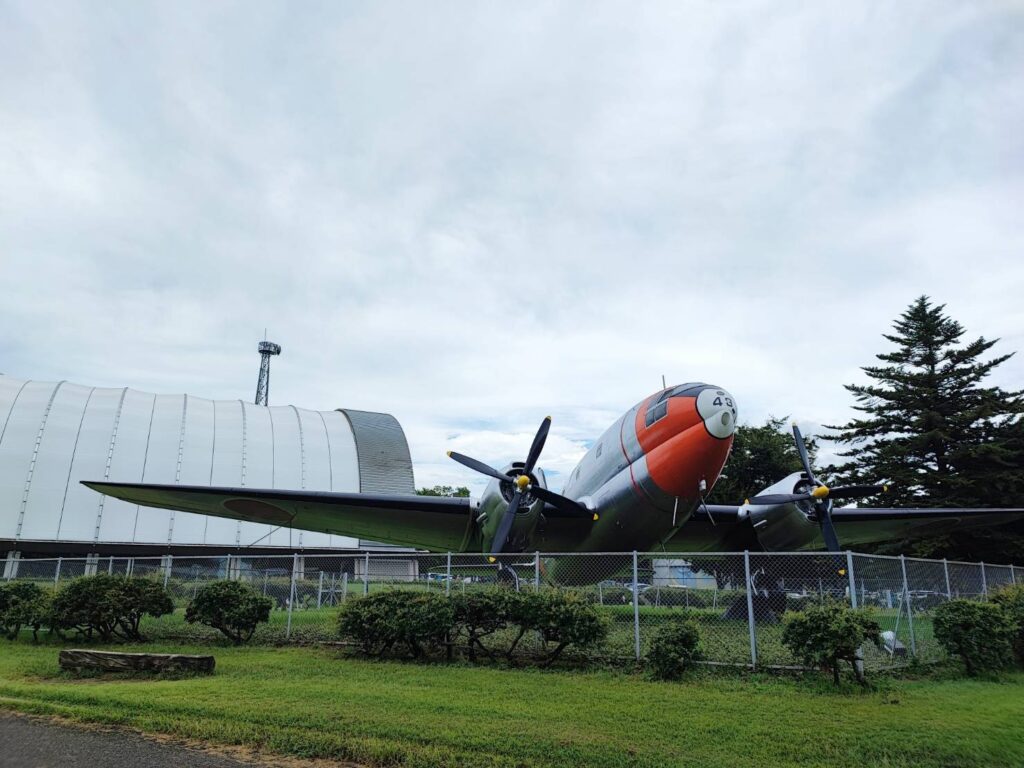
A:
(821, 492)
(522, 481)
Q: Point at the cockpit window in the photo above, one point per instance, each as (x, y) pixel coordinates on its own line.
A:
(656, 411)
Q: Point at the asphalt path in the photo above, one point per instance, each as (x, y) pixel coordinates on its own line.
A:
(35, 743)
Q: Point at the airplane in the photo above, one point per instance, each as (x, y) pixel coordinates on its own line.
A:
(640, 487)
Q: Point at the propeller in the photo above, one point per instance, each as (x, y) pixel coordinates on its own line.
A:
(522, 486)
(821, 495)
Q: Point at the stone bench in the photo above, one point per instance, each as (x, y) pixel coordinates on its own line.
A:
(111, 661)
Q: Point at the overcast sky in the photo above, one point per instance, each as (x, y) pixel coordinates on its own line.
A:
(472, 214)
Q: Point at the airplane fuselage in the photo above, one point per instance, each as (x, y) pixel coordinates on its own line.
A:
(642, 478)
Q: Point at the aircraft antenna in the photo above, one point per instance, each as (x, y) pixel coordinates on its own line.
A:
(267, 349)
(663, 384)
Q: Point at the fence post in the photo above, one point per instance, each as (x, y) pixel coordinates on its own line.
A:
(168, 564)
(853, 583)
(536, 571)
(984, 581)
(636, 609)
(448, 576)
(291, 597)
(1013, 576)
(56, 573)
(750, 610)
(366, 575)
(945, 567)
(320, 590)
(910, 609)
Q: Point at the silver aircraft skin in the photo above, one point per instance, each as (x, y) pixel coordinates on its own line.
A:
(640, 487)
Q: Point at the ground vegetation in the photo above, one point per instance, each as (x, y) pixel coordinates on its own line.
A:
(233, 608)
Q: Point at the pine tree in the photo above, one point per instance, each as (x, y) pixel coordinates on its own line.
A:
(931, 427)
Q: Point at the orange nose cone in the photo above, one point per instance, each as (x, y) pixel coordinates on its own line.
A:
(678, 465)
(680, 449)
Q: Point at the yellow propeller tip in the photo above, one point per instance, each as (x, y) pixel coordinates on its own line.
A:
(746, 501)
(596, 516)
(885, 489)
(492, 559)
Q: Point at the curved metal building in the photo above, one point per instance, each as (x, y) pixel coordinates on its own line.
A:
(54, 434)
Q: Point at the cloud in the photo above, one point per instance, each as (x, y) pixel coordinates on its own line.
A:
(473, 216)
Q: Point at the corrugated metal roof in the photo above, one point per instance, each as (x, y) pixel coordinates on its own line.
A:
(52, 435)
(383, 453)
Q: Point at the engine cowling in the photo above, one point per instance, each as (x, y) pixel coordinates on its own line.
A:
(784, 527)
(495, 501)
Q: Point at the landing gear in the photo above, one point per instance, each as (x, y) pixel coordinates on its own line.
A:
(507, 577)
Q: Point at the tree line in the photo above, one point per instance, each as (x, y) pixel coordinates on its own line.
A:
(928, 423)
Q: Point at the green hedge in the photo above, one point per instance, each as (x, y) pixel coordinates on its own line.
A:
(231, 607)
(108, 606)
(981, 634)
(1011, 600)
(674, 648)
(823, 635)
(488, 622)
(23, 604)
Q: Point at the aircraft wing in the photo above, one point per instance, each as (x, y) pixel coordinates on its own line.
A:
(721, 527)
(873, 524)
(434, 523)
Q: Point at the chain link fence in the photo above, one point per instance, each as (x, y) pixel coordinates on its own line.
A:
(737, 599)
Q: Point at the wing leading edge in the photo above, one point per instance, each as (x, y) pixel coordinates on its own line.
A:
(434, 523)
(722, 527)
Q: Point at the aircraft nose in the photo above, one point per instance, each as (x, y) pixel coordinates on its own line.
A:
(717, 408)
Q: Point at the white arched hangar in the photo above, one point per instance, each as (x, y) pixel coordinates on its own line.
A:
(54, 434)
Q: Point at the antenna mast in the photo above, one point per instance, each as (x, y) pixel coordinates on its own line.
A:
(266, 350)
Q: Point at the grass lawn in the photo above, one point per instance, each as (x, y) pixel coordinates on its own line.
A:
(313, 703)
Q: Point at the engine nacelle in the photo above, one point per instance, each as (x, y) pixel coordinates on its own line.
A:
(784, 527)
(495, 501)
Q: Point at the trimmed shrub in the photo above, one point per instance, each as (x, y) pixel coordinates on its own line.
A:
(980, 634)
(110, 606)
(231, 607)
(824, 635)
(481, 613)
(562, 618)
(674, 648)
(23, 604)
(1011, 600)
(417, 621)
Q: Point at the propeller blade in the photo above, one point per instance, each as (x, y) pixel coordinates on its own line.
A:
(562, 503)
(778, 498)
(804, 458)
(828, 530)
(538, 445)
(856, 491)
(505, 526)
(479, 466)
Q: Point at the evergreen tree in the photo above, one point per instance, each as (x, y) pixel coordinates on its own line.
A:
(934, 430)
(760, 457)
